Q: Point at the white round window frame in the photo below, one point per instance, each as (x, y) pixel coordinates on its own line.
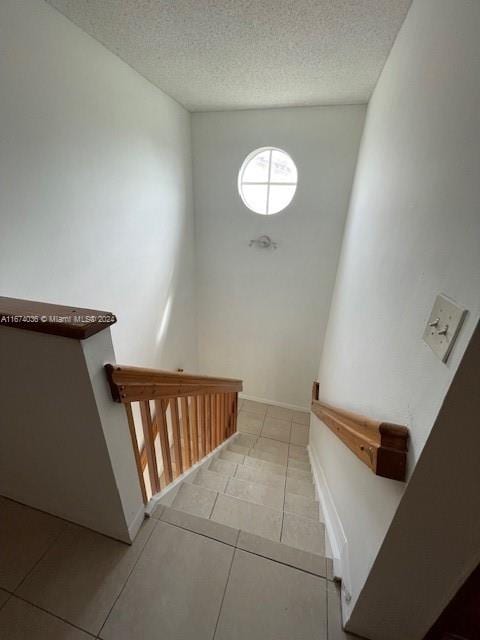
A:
(240, 182)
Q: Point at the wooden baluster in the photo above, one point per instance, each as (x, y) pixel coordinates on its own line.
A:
(218, 409)
(201, 425)
(161, 420)
(213, 423)
(149, 439)
(136, 450)
(187, 452)
(222, 417)
(235, 412)
(231, 407)
(194, 426)
(219, 418)
(206, 424)
(177, 443)
(229, 414)
(225, 415)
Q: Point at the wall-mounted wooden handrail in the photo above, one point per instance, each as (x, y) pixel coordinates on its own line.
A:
(55, 319)
(183, 418)
(380, 445)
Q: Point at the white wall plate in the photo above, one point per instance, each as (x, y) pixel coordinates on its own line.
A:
(443, 326)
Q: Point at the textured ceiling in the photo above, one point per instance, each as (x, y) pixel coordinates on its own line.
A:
(233, 54)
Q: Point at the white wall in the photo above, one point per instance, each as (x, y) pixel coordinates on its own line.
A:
(433, 543)
(95, 186)
(262, 314)
(64, 445)
(413, 231)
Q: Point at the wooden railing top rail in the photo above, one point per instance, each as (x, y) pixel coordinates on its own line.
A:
(55, 319)
(382, 446)
(130, 384)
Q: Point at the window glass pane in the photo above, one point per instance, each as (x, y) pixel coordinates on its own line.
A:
(280, 197)
(257, 169)
(255, 197)
(263, 167)
(283, 168)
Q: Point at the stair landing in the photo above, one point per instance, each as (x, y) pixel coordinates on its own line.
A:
(257, 492)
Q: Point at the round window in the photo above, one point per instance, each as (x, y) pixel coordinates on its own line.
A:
(267, 180)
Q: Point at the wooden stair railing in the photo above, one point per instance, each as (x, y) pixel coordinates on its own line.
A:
(181, 416)
(380, 445)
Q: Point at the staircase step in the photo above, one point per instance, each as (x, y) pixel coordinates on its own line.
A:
(231, 456)
(270, 467)
(267, 456)
(248, 516)
(245, 440)
(303, 533)
(272, 497)
(301, 474)
(280, 552)
(225, 467)
(299, 464)
(248, 423)
(260, 476)
(194, 499)
(272, 446)
(302, 506)
(298, 452)
(237, 448)
(300, 487)
(221, 532)
(210, 480)
(260, 490)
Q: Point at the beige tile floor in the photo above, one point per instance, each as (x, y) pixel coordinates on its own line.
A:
(188, 574)
(184, 577)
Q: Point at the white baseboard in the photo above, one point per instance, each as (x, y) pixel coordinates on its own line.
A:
(154, 500)
(333, 524)
(295, 407)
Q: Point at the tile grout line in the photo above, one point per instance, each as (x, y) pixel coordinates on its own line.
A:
(128, 577)
(214, 503)
(282, 562)
(50, 613)
(285, 486)
(197, 533)
(225, 589)
(10, 596)
(49, 548)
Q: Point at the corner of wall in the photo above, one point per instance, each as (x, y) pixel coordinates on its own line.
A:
(98, 351)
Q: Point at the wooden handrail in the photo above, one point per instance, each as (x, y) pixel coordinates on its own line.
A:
(54, 319)
(183, 418)
(129, 384)
(380, 445)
